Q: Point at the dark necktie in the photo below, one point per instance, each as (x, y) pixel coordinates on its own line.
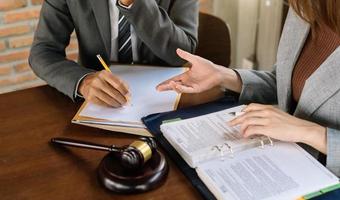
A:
(124, 41)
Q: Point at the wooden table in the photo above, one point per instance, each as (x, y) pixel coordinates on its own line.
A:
(30, 168)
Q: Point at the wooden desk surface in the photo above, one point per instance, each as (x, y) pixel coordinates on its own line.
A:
(30, 168)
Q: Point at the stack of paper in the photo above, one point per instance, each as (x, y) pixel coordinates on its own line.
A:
(145, 100)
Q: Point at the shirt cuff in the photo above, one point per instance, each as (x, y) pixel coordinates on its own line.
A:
(126, 7)
(77, 95)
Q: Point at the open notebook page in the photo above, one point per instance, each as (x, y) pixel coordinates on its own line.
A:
(145, 99)
(283, 171)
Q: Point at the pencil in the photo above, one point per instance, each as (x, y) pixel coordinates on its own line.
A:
(103, 63)
(108, 69)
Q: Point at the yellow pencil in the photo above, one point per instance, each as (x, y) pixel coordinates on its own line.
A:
(108, 69)
(103, 63)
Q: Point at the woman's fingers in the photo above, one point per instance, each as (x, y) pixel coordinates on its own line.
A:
(250, 114)
(180, 88)
(254, 130)
(185, 55)
(256, 106)
(253, 121)
(165, 86)
(257, 119)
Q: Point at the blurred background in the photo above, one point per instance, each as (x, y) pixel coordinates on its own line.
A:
(255, 28)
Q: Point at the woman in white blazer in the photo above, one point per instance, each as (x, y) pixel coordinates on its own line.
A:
(313, 119)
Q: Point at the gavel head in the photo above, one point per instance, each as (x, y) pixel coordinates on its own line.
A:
(138, 153)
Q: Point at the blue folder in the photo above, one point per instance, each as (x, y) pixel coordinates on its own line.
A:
(154, 121)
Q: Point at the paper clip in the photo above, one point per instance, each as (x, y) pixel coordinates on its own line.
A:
(230, 149)
(271, 143)
(262, 144)
(220, 149)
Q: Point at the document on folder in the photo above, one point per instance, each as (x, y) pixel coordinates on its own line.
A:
(145, 100)
(237, 168)
(281, 172)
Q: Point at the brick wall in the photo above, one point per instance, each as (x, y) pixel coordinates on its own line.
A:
(18, 19)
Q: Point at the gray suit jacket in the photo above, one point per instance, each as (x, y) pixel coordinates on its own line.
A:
(320, 99)
(160, 28)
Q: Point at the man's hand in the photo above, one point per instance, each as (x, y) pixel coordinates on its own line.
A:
(104, 88)
(126, 2)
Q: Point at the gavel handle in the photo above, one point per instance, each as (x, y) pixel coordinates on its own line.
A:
(83, 144)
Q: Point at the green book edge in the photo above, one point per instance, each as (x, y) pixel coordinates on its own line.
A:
(171, 120)
(330, 188)
(312, 195)
(322, 191)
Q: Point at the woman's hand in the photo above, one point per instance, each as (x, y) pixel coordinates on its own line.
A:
(270, 121)
(203, 75)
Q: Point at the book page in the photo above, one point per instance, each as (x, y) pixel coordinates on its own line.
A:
(283, 171)
(145, 99)
(196, 138)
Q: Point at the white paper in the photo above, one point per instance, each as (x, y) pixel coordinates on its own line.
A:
(109, 123)
(196, 138)
(284, 171)
(145, 99)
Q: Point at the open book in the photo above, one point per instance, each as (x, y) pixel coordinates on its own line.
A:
(233, 167)
(145, 100)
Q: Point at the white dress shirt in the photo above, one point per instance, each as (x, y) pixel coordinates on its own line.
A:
(114, 18)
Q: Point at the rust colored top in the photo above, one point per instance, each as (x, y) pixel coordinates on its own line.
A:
(317, 49)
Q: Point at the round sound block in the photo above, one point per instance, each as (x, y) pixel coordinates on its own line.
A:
(113, 176)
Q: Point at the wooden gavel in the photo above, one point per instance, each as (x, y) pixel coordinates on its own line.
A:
(132, 156)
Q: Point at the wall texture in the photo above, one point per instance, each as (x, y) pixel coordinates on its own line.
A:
(18, 19)
(255, 27)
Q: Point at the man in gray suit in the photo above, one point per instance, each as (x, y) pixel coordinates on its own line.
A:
(122, 31)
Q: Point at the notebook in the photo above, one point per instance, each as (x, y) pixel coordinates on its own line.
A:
(236, 168)
(145, 100)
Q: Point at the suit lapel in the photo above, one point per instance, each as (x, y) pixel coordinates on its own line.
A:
(295, 36)
(320, 86)
(102, 15)
(143, 50)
